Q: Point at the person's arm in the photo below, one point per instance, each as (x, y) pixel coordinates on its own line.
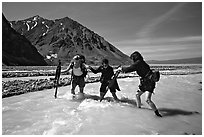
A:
(95, 70)
(131, 68)
(86, 66)
(112, 73)
(68, 68)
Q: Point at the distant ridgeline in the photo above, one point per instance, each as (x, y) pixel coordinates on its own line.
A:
(197, 60)
(63, 38)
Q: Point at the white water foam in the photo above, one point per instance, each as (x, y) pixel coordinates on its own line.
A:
(177, 97)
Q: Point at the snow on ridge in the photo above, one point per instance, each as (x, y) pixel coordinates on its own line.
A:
(36, 23)
(46, 30)
(35, 18)
(11, 24)
(28, 26)
(46, 26)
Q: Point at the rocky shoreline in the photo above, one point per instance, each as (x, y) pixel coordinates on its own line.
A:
(17, 87)
(26, 74)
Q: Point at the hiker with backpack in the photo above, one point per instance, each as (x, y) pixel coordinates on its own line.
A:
(147, 81)
(78, 73)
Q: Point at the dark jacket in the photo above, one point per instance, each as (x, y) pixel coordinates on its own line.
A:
(106, 75)
(140, 66)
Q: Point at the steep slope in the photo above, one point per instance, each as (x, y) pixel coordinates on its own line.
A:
(16, 49)
(63, 38)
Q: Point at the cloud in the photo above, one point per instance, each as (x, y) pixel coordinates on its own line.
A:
(164, 48)
(150, 27)
(160, 41)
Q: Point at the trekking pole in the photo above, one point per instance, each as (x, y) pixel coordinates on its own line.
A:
(57, 77)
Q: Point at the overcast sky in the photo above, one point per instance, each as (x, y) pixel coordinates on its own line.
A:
(159, 30)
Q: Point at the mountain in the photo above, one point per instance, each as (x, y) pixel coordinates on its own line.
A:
(197, 60)
(63, 38)
(16, 49)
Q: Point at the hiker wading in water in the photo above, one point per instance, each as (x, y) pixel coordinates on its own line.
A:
(106, 76)
(78, 73)
(146, 82)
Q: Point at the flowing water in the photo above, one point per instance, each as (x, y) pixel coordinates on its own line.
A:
(178, 97)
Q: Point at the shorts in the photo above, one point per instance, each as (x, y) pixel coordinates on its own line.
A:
(147, 85)
(78, 80)
(104, 86)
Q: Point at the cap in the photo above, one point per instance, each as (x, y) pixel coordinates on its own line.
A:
(77, 57)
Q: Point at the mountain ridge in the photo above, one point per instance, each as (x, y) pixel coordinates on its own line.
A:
(63, 38)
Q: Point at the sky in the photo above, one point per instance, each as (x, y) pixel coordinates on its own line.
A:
(158, 30)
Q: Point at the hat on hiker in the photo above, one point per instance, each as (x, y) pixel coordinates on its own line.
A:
(82, 57)
(136, 56)
(77, 57)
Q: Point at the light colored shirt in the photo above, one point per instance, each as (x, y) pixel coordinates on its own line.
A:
(77, 71)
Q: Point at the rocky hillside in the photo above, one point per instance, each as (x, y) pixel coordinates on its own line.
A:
(16, 49)
(63, 38)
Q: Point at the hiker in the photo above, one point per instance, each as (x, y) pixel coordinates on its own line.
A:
(78, 74)
(146, 83)
(107, 74)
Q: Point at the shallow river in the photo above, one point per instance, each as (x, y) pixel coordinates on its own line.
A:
(178, 97)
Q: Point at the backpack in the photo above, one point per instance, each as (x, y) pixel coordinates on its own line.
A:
(84, 70)
(155, 76)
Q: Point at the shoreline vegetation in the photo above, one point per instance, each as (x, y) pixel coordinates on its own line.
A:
(17, 87)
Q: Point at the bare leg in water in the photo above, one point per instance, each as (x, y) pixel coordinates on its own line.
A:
(138, 99)
(149, 102)
(102, 94)
(113, 92)
(73, 89)
(81, 89)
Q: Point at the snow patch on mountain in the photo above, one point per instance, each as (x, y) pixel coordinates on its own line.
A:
(36, 23)
(51, 56)
(11, 24)
(35, 18)
(46, 30)
(28, 27)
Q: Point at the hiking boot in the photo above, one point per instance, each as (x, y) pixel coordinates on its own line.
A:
(157, 113)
